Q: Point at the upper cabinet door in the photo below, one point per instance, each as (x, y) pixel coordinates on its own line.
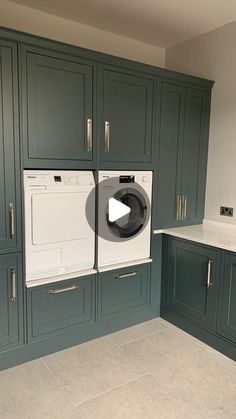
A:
(170, 155)
(126, 117)
(194, 154)
(57, 109)
(9, 151)
(227, 307)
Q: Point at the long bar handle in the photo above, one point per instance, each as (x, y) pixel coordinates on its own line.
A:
(107, 136)
(12, 220)
(60, 290)
(13, 284)
(184, 207)
(127, 275)
(89, 134)
(209, 282)
(178, 208)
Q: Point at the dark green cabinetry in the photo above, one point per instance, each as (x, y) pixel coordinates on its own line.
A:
(11, 304)
(123, 290)
(192, 278)
(10, 207)
(199, 292)
(182, 156)
(57, 307)
(126, 117)
(57, 108)
(227, 297)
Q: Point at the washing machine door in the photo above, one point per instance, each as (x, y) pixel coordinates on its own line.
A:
(131, 224)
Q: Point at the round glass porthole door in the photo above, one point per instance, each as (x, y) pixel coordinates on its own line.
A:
(131, 224)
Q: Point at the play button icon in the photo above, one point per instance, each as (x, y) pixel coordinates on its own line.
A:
(116, 210)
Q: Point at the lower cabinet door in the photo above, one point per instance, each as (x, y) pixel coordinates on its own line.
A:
(123, 290)
(192, 271)
(227, 303)
(11, 318)
(56, 307)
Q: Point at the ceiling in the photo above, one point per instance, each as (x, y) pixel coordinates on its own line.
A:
(159, 22)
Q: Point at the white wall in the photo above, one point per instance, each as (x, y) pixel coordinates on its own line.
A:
(213, 56)
(32, 21)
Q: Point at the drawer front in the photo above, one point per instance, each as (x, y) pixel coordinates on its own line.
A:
(123, 290)
(53, 308)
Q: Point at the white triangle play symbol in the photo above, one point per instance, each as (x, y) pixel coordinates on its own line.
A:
(117, 210)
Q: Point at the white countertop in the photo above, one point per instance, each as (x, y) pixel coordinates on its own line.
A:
(211, 233)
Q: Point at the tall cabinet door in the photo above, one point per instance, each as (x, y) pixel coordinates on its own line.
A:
(126, 117)
(57, 98)
(9, 165)
(194, 154)
(193, 272)
(170, 154)
(11, 321)
(227, 306)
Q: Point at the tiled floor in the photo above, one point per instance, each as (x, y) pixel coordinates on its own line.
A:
(152, 370)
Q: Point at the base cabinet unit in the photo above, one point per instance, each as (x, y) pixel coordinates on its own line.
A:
(227, 297)
(123, 290)
(182, 156)
(58, 307)
(126, 117)
(11, 301)
(58, 104)
(10, 213)
(199, 291)
(192, 280)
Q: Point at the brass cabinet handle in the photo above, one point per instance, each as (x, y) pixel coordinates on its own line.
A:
(209, 282)
(60, 290)
(127, 275)
(13, 284)
(184, 207)
(178, 208)
(107, 136)
(89, 134)
(12, 220)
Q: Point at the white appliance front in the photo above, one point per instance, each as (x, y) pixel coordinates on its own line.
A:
(58, 238)
(137, 248)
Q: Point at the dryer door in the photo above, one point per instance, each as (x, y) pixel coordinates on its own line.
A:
(131, 224)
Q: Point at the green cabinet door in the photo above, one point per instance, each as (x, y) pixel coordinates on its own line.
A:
(194, 155)
(169, 155)
(192, 279)
(227, 301)
(59, 307)
(123, 290)
(126, 117)
(9, 151)
(57, 100)
(11, 320)
(182, 156)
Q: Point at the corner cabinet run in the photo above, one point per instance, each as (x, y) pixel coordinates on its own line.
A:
(182, 157)
(9, 150)
(199, 287)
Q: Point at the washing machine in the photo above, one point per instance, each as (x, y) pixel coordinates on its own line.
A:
(124, 239)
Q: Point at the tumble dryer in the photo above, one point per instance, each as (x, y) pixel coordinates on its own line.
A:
(124, 239)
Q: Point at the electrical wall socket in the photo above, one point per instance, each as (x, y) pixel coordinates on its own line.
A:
(227, 211)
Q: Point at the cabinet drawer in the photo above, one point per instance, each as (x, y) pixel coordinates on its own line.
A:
(123, 290)
(52, 308)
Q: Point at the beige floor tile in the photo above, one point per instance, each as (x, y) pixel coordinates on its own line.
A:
(189, 371)
(92, 368)
(142, 398)
(30, 392)
(138, 331)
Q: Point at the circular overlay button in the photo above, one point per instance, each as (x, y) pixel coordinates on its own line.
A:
(123, 209)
